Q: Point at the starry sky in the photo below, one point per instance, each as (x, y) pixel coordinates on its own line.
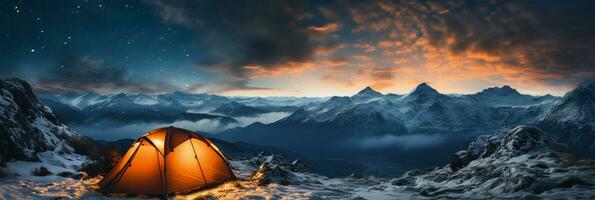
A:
(297, 48)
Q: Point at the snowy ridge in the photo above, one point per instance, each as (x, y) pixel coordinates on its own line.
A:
(573, 118)
(576, 108)
(27, 126)
(187, 100)
(31, 134)
(523, 162)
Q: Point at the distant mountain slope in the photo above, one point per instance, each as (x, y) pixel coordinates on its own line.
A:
(89, 108)
(573, 118)
(65, 112)
(507, 96)
(236, 109)
(370, 113)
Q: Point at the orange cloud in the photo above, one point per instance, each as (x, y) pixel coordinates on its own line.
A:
(365, 47)
(328, 28)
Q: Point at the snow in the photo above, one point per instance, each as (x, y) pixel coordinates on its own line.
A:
(527, 163)
(20, 183)
(496, 176)
(146, 101)
(262, 118)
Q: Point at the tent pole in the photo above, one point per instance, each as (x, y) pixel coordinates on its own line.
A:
(196, 157)
(163, 188)
(167, 141)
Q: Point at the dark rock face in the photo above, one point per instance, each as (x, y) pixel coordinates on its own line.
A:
(480, 148)
(28, 127)
(24, 122)
(42, 171)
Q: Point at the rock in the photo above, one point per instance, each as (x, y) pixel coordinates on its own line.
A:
(519, 163)
(413, 172)
(67, 174)
(297, 166)
(355, 176)
(570, 181)
(270, 173)
(457, 162)
(41, 171)
(400, 182)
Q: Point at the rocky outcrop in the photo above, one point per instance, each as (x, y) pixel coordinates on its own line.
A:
(30, 131)
(270, 173)
(27, 126)
(523, 162)
(274, 168)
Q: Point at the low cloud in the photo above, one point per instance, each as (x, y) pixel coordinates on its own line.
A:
(405, 142)
(106, 130)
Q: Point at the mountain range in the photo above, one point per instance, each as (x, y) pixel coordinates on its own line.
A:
(371, 114)
(344, 127)
(122, 108)
(515, 161)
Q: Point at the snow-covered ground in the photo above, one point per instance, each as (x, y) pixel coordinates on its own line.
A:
(521, 163)
(280, 179)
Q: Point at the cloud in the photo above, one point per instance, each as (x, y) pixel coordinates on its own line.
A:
(545, 46)
(401, 141)
(328, 28)
(75, 73)
(240, 36)
(549, 37)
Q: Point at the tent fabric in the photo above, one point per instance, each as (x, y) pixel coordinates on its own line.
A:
(167, 160)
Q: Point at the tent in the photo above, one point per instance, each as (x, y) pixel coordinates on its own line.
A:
(165, 161)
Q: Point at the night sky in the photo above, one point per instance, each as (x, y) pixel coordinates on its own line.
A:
(297, 48)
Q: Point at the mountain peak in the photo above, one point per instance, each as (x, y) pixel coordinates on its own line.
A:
(500, 91)
(368, 91)
(587, 85)
(423, 88)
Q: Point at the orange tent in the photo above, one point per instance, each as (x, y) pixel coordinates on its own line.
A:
(168, 160)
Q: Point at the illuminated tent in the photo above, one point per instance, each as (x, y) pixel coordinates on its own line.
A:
(167, 160)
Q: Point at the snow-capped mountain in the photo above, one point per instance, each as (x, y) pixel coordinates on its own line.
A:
(341, 125)
(163, 108)
(507, 96)
(577, 108)
(277, 101)
(366, 94)
(573, 118)
(236, 109)
(423, 93)
(424, 109)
